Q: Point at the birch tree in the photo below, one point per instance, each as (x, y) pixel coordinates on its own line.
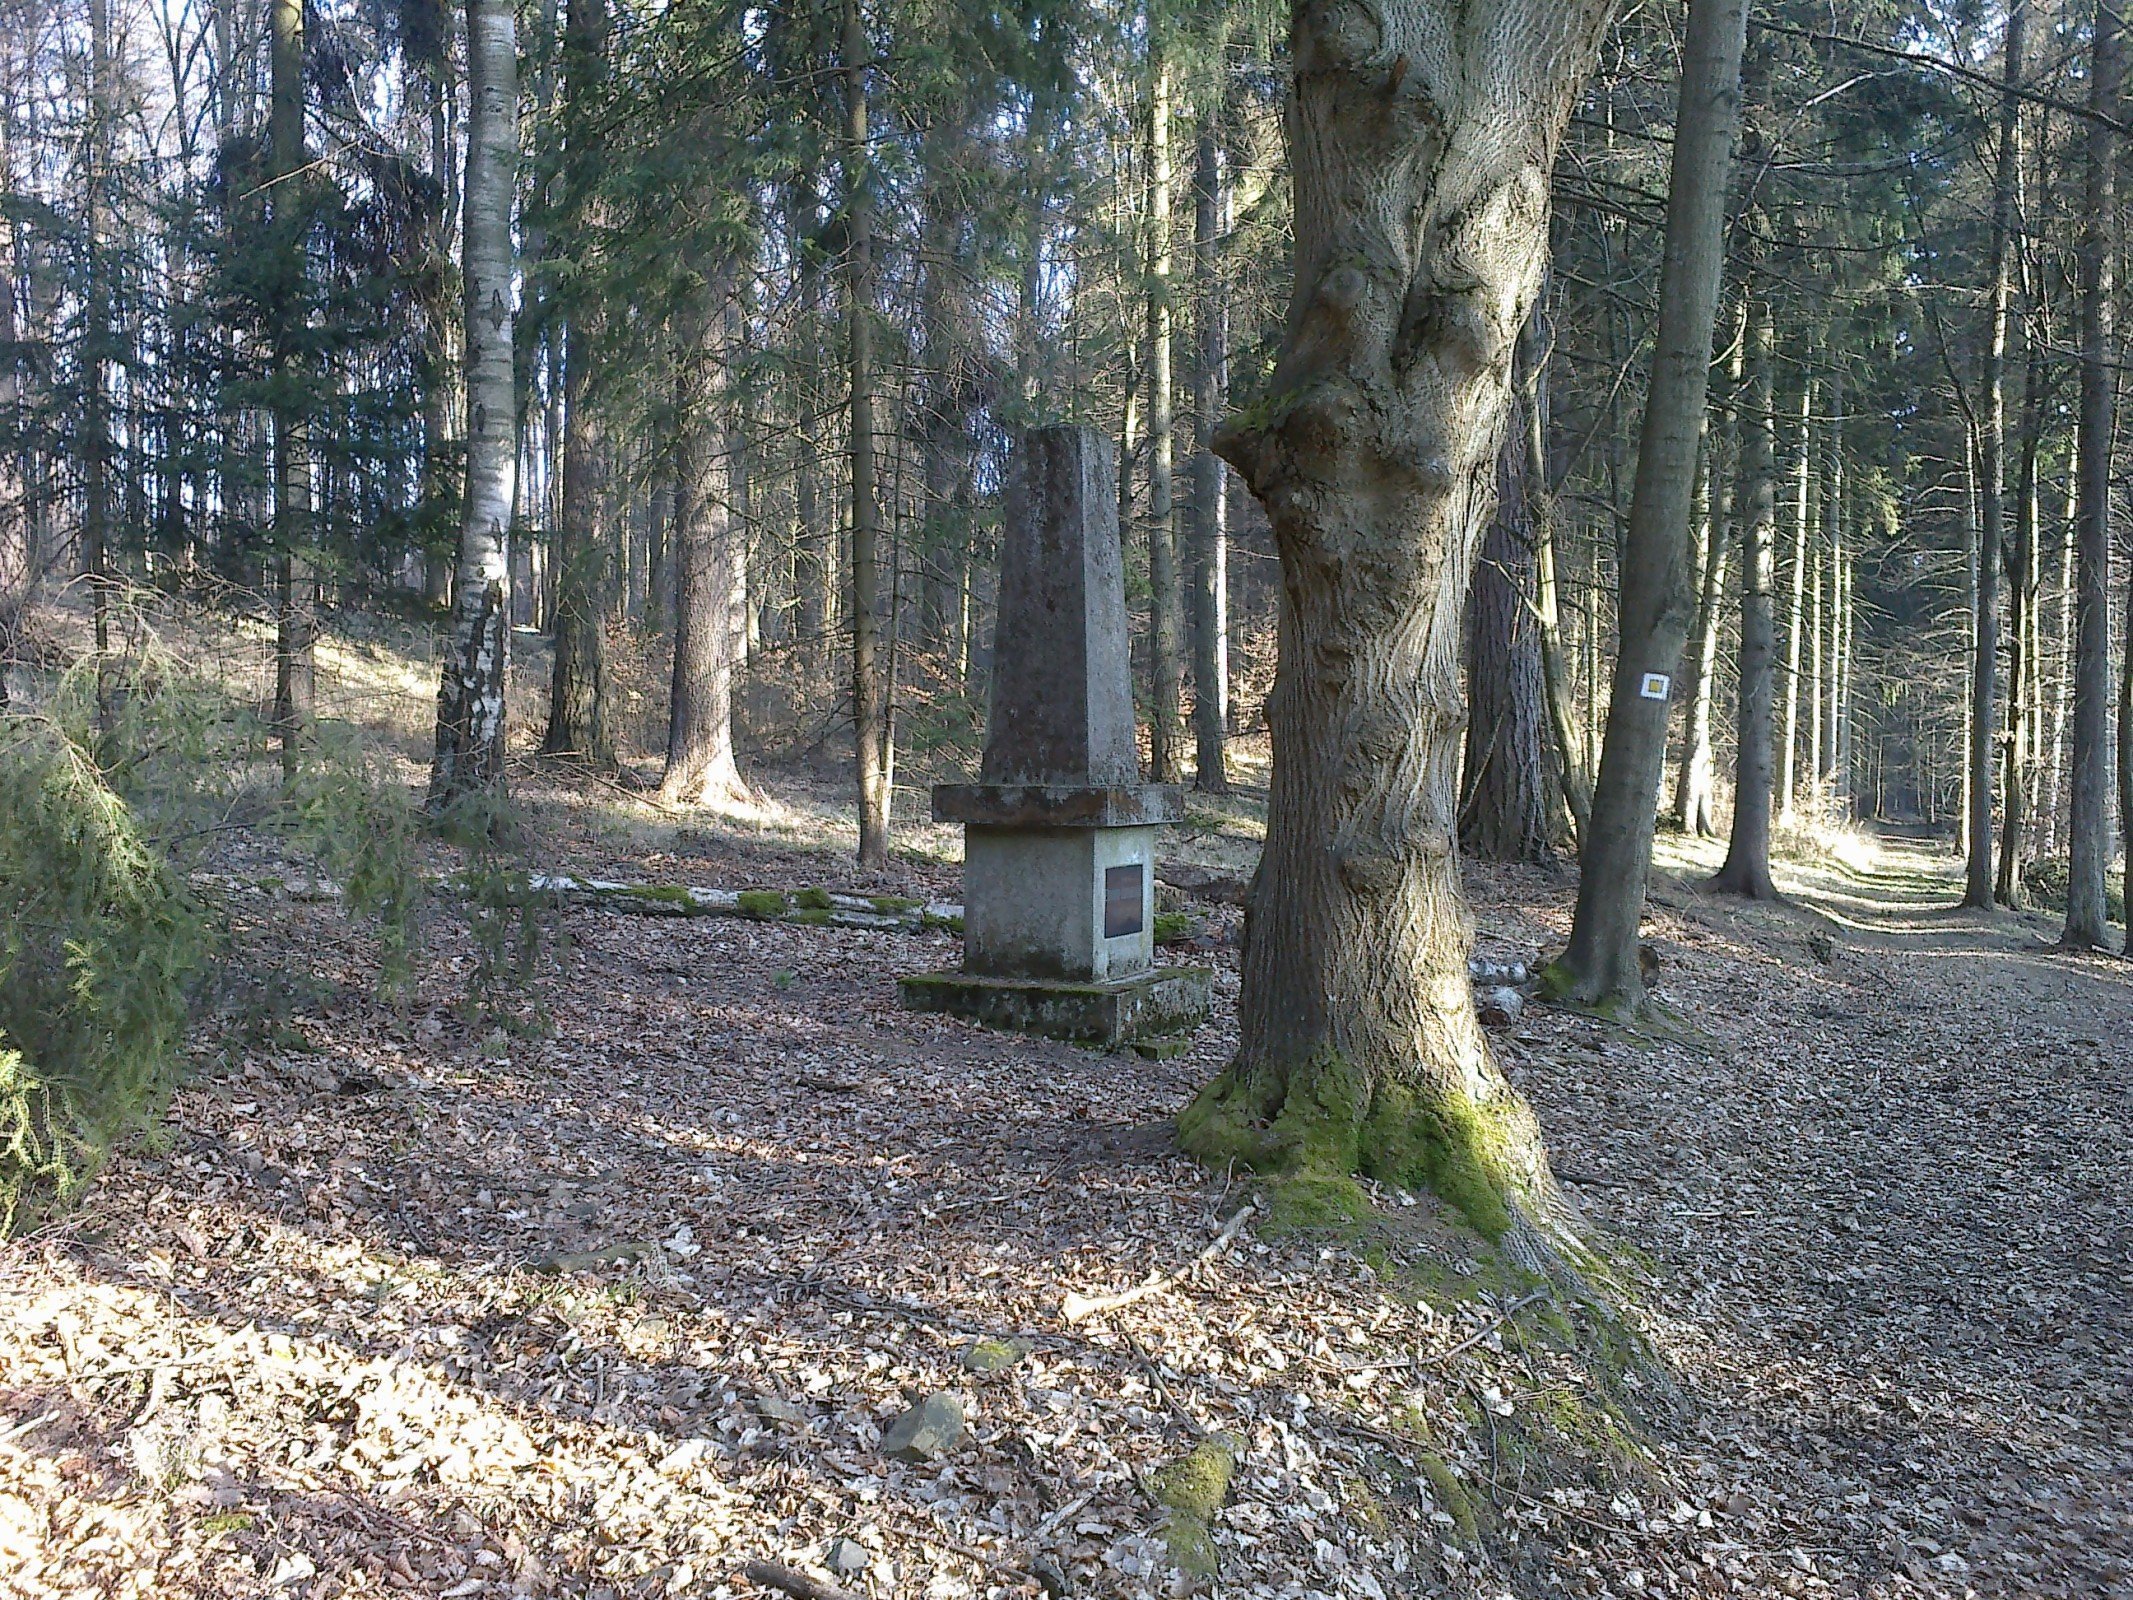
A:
(470, 699)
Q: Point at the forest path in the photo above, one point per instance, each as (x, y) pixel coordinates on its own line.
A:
(1886, 1189)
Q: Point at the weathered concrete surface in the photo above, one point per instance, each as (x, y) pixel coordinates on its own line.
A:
(1062, 674)
(1034, 902)
(1039, 805)
(1162, 1000)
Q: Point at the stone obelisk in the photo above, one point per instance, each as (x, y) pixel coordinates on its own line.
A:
(1059, 832)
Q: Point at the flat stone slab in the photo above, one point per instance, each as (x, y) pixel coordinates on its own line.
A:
(1057, 805)
(1160, 1001)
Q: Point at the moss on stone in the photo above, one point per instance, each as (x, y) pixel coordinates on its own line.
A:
(811, 917)
(812, 898)
(891, 905)
(1191, 1491)
(1172, 927)
(934, 922)
(764, 905)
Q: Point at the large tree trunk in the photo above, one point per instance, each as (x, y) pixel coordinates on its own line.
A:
(869, 704)
(710, 571)
(470, 696)
(1165, 613)
(577, 687)
(1421, 139)
(1210, 489)
(1747, 865)
(1503, 813)
(1601, 966)
(2088, 821)
(1978, 886)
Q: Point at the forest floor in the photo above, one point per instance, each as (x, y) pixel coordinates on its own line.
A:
(619, 1285)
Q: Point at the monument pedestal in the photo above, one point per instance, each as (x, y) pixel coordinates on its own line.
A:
(1149, 1005)
(1059, 837)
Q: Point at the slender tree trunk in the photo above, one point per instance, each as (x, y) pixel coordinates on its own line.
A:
(2024, 721)
(470, 697)
(1166, 658)
(2088, 820)
(1503, 784)
(1694, 789)
(295, 585)
(578, 723)
(435, 516)
(1210, 490)
(710, 573)
(1601, 965)
(2063, 652)
(18, 551)
(1803, 531)
(869, 707)
(815, 564)
(1978, 884)
(1747, 865)
(1421, 146)
(1833, 521)
(96, 348)
(577, 689)
(1573, 777)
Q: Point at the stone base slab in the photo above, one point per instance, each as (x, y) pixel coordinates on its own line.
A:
(1148, 1005)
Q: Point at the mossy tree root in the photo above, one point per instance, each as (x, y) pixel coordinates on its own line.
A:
(1325, 1118)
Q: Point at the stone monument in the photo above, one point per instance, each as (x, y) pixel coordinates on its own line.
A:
(1059, 832)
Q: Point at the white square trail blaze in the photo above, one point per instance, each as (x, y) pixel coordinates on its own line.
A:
(1656, 686)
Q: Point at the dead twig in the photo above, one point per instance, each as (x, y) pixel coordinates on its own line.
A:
(1474, 1338)
(10, 1435)
(580, 1260)
(1078, 1307)
(772, 1575)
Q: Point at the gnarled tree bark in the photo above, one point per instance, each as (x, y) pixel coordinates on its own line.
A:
(1421, 137)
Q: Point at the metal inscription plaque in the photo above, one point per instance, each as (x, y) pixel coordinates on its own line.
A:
(1122, 900)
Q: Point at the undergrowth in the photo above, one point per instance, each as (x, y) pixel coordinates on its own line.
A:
(117, 785)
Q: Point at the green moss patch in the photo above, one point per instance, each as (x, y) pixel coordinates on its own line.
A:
(1330, 1124)
(1451, 1496)
(1191, 1491)
(812, 898)
(765, 905)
